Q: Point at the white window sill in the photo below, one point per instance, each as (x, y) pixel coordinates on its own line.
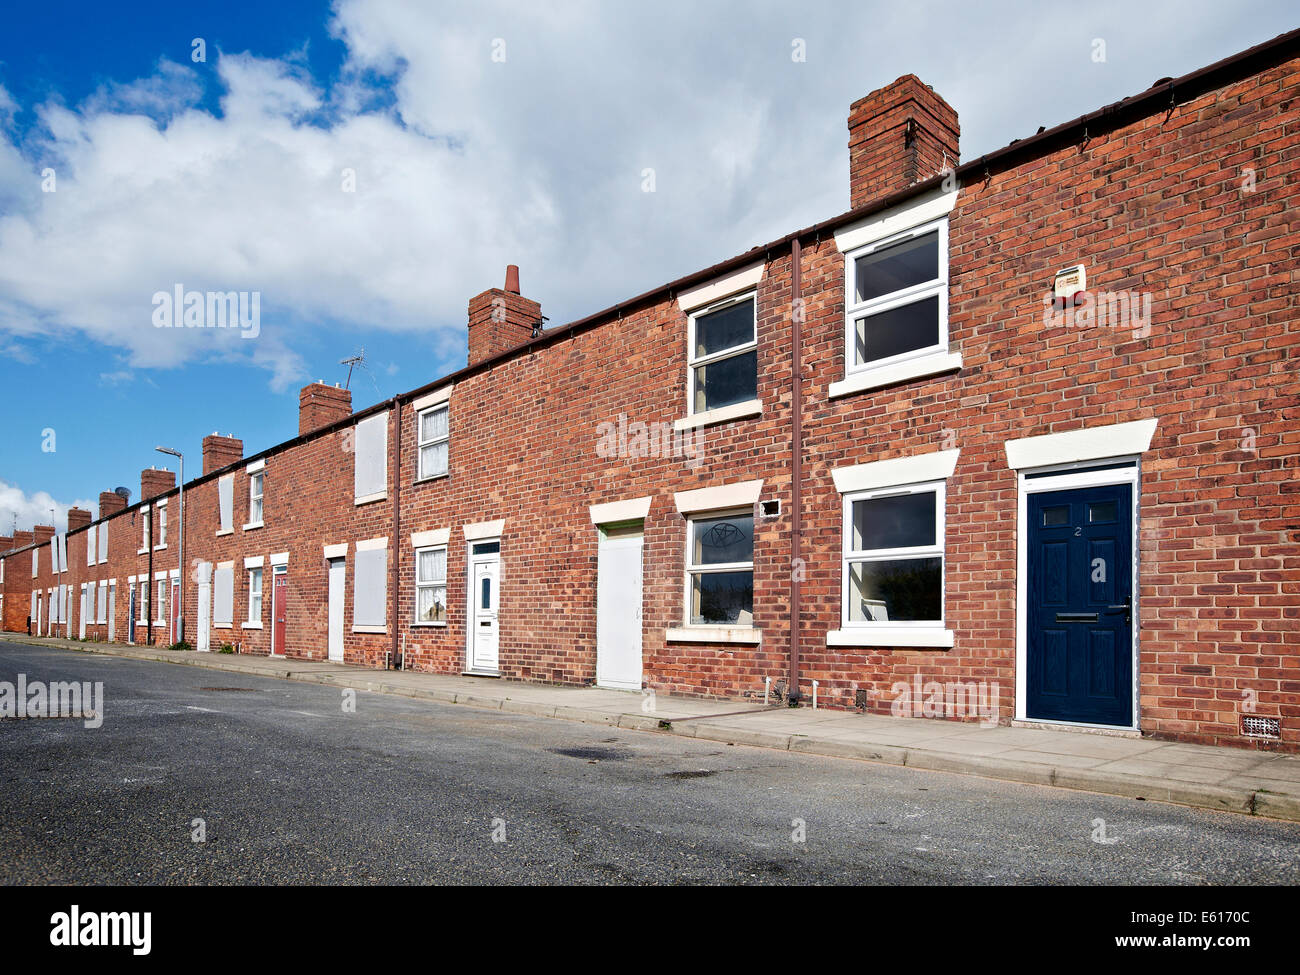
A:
(225, 531)
(250, 626)
(139, 551)
(435, 625)
(714, 634)
(250, 526)
(223, 626)
(369, 629)
(890, 636)
(431, 477)
(899, 372)
(370, 498)
(722, 414)
(159, 548)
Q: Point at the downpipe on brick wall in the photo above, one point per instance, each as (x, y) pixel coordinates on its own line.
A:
(796, 448)
(394, 561)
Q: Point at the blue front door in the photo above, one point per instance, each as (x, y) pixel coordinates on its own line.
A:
(1080, 600)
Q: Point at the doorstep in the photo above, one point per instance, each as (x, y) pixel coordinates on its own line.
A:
(1204, 776)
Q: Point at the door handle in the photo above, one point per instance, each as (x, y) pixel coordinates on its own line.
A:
(1126, 606)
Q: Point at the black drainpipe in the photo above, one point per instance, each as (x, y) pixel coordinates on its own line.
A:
(397, 544)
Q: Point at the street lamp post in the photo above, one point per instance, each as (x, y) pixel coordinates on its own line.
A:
(180, 558)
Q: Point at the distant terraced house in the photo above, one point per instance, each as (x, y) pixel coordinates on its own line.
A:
(901, 462)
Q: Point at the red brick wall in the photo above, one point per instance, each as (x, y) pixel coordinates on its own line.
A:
(1157, 207)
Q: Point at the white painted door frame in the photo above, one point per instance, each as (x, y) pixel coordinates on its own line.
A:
(204, 620)
(338, 569)
(1068, 477)
(480, 621)
(618, 606)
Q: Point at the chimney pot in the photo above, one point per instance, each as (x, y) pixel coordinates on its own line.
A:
(501, 318)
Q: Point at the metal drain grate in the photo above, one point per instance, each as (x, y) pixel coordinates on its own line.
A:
(1254, 727)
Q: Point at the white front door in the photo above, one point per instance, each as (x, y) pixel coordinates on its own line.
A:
(112, 611)
(338, 570)
(618, 608)
(84, 610)
(205, 606)
(485, 577)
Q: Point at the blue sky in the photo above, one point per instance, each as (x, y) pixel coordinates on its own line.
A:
(476, 135)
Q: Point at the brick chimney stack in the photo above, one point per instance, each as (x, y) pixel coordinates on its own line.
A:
(6, 543)
(320, 405)
(23, 539)
(78, 518)
(110, 503)
(154, 482)
(42, 534)
(219, 452)
(501, 318)
(899, 135)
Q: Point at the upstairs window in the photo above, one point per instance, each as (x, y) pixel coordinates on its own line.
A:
(434, 439)
(370, 459)
(91, 550)
(723, 357)
(103, 543)
(226, 504)
(146, 528)
(162, 526)
(897, 297)
(720, 569)
(256, 484)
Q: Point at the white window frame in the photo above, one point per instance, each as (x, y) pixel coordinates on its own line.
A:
(102, 602)
(711, 568)
(420, 443)
(256, 479)
(146, 529)
(254, 622)
(430, 584)
(162, 525)
(853, 309)
(849, 556)
(91, 543)
(36, 561)
(161, 586)
(693, 362)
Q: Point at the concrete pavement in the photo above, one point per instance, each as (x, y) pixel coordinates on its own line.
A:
(1242, 781)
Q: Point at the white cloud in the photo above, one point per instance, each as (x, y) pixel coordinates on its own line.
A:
(476, 163)
(20, 510)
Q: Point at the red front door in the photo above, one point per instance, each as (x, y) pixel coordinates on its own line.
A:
(281, 590)
(176, 610)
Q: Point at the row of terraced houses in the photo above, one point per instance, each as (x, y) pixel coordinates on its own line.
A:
(1026, 422)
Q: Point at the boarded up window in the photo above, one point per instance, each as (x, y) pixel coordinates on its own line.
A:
(223, 595)
(370, 587)
(226, 501)
(103, 543)
(371, 444)
(90, 546)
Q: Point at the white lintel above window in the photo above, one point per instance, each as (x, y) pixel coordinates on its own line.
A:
(736, 495)
(1089, 443)
(897, 470)
(255, 466)
(612, 511)
(734, 283)
(254, 562)
(433, 399)
(370, 544)
(280, 558)
(886, 223)
(435, 536)
(336, 551)
(485, 529)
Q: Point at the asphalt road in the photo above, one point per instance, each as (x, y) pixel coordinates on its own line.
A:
(291, 788)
